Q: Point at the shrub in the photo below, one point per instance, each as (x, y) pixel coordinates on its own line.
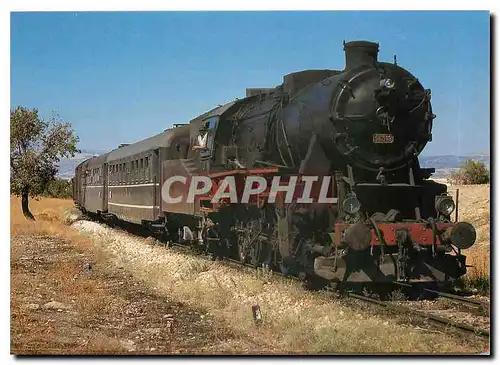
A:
(470, 173)
(58, 188)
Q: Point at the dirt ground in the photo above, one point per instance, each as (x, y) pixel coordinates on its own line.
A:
(65, 300)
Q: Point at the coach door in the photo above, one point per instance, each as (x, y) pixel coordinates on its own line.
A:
(105, 187)
(156, 175)
(83, 186)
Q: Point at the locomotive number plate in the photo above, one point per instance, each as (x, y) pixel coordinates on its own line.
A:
(383, 138)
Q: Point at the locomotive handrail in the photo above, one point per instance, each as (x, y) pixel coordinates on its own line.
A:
(389, 185)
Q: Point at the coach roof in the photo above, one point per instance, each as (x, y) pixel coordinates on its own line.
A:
(163, 139)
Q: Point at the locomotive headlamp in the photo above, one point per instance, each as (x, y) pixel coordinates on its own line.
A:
(388, 83)
(445, 204)
(351, 204)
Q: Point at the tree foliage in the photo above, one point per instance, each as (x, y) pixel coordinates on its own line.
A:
(58, 188)
(470, 173)
(35, 149)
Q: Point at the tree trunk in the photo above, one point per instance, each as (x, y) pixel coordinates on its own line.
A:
(25, 205)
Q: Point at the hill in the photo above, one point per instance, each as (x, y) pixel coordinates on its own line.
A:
(445, 164)
(67, 165)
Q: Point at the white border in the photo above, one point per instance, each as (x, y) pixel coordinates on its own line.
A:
(51, 5)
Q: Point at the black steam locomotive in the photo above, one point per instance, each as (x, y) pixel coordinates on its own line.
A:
(362, 127)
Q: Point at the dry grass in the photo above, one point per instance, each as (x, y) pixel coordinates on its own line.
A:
(51, 219)
(474, 207)
(294, 320)
(105, 310)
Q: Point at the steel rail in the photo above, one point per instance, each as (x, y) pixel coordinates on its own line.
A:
(447, 295)
(432, 317)
(457, 297)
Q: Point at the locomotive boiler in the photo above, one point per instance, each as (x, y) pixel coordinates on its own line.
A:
(362, 128)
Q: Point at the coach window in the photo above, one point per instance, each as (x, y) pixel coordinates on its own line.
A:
(128, 171)
(132, 170)
(141, 169)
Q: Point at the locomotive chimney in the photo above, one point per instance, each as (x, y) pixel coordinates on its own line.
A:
(359, 53)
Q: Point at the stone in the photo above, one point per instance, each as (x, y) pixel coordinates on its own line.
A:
(31, 306)
(152, 331)
(128, 344)
(56, 306)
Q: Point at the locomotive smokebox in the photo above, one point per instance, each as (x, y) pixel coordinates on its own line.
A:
(360, 53)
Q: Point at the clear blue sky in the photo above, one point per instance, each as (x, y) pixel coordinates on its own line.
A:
(120, 77)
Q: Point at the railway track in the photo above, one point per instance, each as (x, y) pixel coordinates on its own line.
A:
(452, 297)
(423, 314)
(387, 304)
(384, 304)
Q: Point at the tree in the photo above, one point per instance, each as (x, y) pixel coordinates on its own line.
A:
(470, 173)
(35, 149)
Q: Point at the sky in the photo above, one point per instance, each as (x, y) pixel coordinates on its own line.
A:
(120, 77)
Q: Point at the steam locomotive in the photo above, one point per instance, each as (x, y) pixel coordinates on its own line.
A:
(363, 127)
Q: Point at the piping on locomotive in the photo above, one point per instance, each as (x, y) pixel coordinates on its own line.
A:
(362, 127)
